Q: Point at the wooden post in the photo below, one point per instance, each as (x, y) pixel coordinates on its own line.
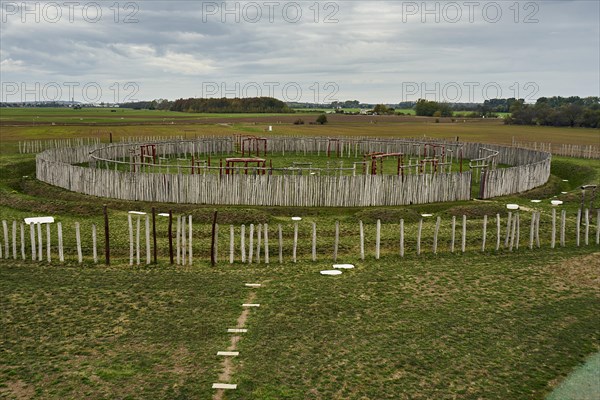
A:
(464, 233)
(453, 234)
(419, 231)
(6, 245)
(578, 227)
(213, 256)
(130, 225)
(498, 232)
(40, 242)
(280, 244)
(508, 229)
(231, 243)
(266, 233)
(216, 243)
(251, 244)
(401, 237)
(295, 246)
(243, 243)
(137, 240)
(553, 238)
(518, 233)
(147, 232)
(14, 239)
(598, 227)
(362, 239)
(587, 227)
(563, 222)
(484, 234)
(177, 240)
(106, 236)
(512, 234)
(336, 242)
(532, 230)
(94, 243)
(23, 241)
(78, 239)
(435, 234)
(48, 244)
(537, 230)
(378, 239)
(258, 242)
(170, 233)
(154, 248)
(183, 240)
(191, 234)
(314, 241)
(33, 240)
(61, 252)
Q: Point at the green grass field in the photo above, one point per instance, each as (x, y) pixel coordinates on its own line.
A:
(493, 325)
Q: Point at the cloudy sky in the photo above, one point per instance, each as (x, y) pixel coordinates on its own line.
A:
(372, 51)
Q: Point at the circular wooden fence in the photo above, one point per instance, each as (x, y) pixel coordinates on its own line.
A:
(104, 178)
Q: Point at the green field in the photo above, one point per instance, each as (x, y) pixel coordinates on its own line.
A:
(58, 116)
(493, 325)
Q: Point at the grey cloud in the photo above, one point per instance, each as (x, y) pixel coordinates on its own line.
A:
(369, 53)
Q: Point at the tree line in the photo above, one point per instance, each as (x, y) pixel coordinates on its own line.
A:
(237, 105)
(222, 105)
(557, 111)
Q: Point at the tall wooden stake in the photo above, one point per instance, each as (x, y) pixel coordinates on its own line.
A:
(213, 261)
(170, 233)
(106, 236)
(154, 248)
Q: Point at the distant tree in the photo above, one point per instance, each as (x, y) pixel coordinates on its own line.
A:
(425, 108)
(322, 119)
(380, 109)
(444, 109)
(428, 108)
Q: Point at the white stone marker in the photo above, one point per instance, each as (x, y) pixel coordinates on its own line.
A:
(253, 284)
(224, 386)
(228, 353)
(331, 272)
(343, 266)
(237, 330)
(250, 305)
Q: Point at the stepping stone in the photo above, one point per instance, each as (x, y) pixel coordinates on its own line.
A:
(236, 330)
(253, 284)
(224, 386)
(331, 272)
(343, 266)
(296, 219)
(250, 305)
(556, 202)
(536, 201)
(228, 353)
(512, 206)
(563, 192)
(426, 215)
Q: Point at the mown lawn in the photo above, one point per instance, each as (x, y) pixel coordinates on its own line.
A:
(479, 326)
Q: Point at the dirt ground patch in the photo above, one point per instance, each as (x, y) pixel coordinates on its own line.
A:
(581, 272)
(18, 389)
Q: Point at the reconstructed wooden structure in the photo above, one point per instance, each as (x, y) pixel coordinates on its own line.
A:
(530, 168)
